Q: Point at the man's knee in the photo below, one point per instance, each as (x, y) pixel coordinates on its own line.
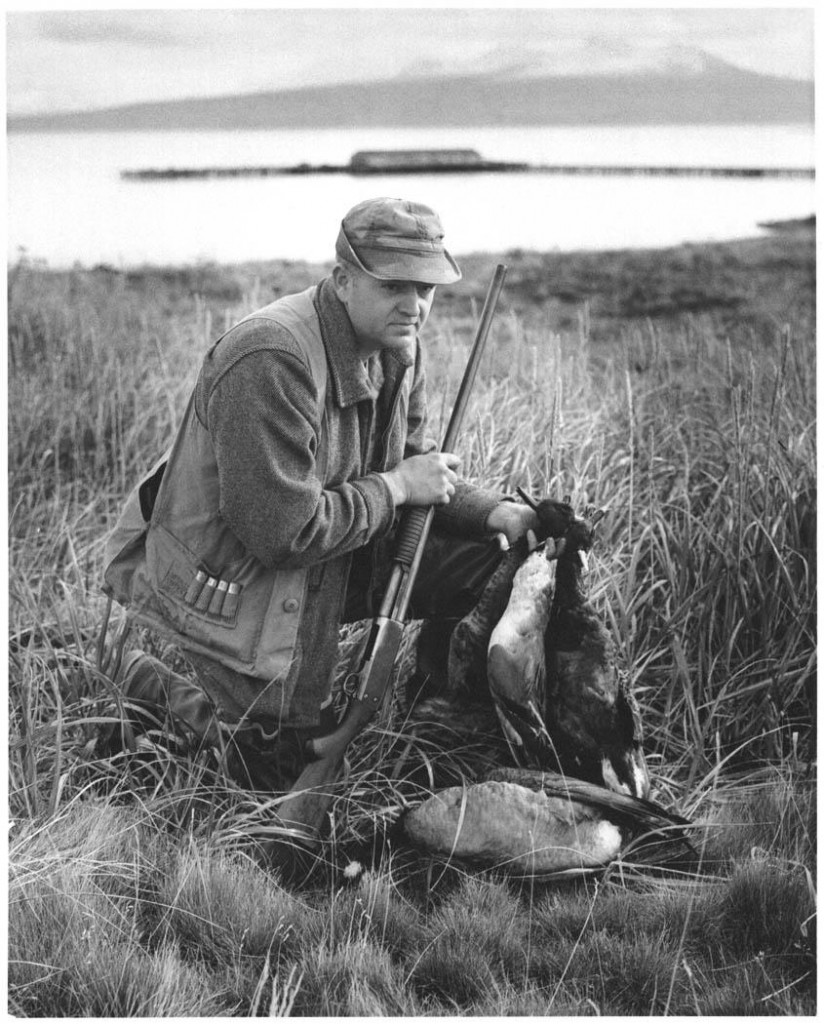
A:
(453, 574)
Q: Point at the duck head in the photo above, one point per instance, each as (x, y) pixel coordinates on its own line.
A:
(554, 517)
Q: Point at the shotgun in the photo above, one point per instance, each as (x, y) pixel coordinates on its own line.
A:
(304, 808)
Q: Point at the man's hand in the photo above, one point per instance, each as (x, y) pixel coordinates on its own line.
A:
(513, 521)
(424, 479)
(509, 521)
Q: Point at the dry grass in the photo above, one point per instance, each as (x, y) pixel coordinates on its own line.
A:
(134, 890)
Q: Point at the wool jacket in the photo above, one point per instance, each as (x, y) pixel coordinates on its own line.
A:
(274, 484)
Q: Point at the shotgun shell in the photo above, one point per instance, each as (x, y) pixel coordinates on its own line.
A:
(205, 599)
(230, 602)
(216, 604)
(195, 587)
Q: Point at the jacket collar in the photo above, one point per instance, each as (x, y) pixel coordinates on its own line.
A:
(349, 378)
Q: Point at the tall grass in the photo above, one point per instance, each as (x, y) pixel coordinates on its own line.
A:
(133, 891)
(704, 455)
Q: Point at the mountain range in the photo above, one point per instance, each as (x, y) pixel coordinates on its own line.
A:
(685, 87)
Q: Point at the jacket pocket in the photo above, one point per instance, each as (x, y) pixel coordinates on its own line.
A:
(195, 596)
(256, 634)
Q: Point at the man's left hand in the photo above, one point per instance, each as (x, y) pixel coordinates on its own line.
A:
(512, 520)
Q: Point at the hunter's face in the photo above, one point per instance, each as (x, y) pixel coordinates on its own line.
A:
(384, 314)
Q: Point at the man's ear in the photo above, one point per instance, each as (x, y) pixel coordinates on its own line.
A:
(342, 281)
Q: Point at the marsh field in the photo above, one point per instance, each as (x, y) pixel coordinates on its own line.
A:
(674, 387)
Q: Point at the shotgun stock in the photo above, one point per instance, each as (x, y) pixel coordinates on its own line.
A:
(305, 806)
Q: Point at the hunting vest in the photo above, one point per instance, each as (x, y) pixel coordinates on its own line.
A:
(176, 565)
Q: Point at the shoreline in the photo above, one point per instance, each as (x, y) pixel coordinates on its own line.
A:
(743, 284)
(801, 227)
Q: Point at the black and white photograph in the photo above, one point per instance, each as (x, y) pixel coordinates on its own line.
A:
(411, 506)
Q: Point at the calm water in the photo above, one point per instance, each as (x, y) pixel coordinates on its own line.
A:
(67, 202)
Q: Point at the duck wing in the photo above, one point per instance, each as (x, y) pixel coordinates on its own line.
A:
(592, 717)
(651, 833)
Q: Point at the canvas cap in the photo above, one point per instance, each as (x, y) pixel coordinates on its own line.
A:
(396, 240)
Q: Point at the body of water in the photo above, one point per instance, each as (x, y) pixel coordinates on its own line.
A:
(68, 203)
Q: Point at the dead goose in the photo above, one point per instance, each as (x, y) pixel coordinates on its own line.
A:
(541, 824)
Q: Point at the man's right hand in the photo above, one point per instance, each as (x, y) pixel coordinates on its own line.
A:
(424, 479)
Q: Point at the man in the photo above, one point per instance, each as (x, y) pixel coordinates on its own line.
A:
(270, 522)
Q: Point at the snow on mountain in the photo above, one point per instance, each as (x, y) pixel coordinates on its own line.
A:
(596, 55)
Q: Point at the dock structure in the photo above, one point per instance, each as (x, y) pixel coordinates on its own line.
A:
(379, 161)
(455, 161)
(427, 161)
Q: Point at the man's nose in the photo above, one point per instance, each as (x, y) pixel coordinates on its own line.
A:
(408, 301)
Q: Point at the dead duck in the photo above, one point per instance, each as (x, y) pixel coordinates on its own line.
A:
(535, 645)
(516, 662)
(591, 716)
(553, 672)
(469, 644)
(544, 825)
(466, 671)
(467, 705)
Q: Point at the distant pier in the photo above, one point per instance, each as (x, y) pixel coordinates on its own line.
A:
(454, 161)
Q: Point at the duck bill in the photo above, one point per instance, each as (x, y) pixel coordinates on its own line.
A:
(626, 772)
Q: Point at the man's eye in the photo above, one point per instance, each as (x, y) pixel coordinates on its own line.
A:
(424, 291)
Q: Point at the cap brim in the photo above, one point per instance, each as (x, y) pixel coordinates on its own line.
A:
(401, 265)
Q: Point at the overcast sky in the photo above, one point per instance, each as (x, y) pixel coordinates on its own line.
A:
(70, 60)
